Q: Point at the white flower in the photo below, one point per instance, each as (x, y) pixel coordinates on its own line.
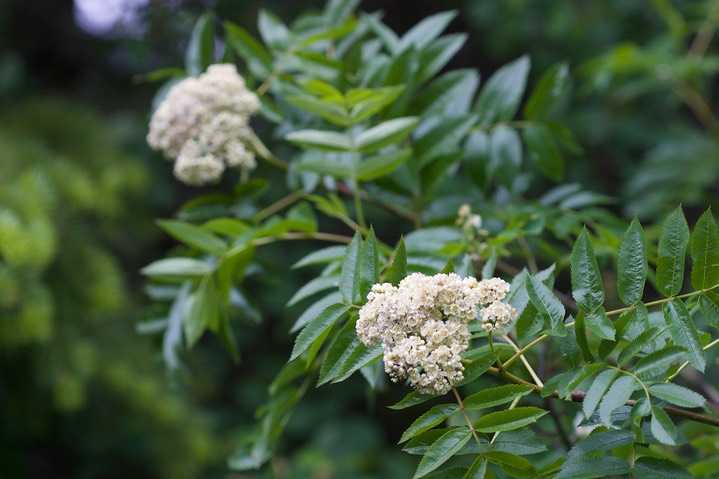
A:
(208, 116)
(422, 325)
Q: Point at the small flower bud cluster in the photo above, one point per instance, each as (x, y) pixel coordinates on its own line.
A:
(202, 123)
(468, 221)
(422, 325)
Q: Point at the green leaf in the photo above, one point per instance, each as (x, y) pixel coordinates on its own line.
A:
(328, 110)
(505, 150)
(573, 379)
(398, 270)
(515, 466)
(599, 324)
(433, 58)
(709, 304)
(679, 395)
(325, 164)
(373, 103)
(519, 441)
(412, 399)
(659, 468)
(662, 427)
(426, 31)
(673, 241)
(360, 357)
(684, 332)
(321, 256)
(496, 396)
(594, 467)
(338, 352)
(596, 391)
(508, 419)
(194, 236)
(580, 334)
(657, 363)
(448, 94)
(258, 61)
(337, 11)
(320, 139)
(181, 267)
(600, 441)
(385, 134)
(617, 395)
(500, 97)
(316, 327)
(428, 420)
(704, 250)
(477, 367)
(551, 309)
(382, 164)
(273, 32)
(547, 94)
(350, 273)
(442, 139)
(440, 452)
(202, 312)
(543, 151)
(644, 339)
(632, 265)
(201, 49)
(587, 288)
(478, 469)
(369, 267)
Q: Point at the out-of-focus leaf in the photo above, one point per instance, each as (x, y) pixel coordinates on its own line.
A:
(547, 94)
(501, 95)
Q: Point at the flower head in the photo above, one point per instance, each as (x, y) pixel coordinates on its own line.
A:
(422, 325)
(202, 123)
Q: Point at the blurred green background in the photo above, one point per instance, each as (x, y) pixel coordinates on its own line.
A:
(84, 395)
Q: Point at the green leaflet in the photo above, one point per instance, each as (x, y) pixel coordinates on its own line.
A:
(398, 270)
(547, 94)
(501, 95)
(495, 396)
(426, 31)
(273, 32)
(515, 466)
(444, 448)
(543, 151)
(662, 427)
(200, 51)
(599, 324)
(673, 241)
(679, 395)
(659, 468)
(320, 139)
(385, 134)
(428, 420)
(258, 60)
(704, 249)
(596, 391)
(587, 288)
(594, 467)
(177, 267)
(340, 349)
(194, 236)
(350, 272)
(551, 309)
(382, 164)
(600, 441)
(509, 419)
(617, 395)
(709, 304)
(656, 363)
(632, 265)
(684, 332)
(412, 399)
(316, 327)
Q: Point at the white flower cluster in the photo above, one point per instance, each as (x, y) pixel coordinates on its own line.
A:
(467, 220)
(201, 124)
(422, 325)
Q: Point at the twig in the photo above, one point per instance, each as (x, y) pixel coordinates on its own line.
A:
(466, 418)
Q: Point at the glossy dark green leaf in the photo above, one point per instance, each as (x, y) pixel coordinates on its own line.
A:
(600, 441)
(436, 415)
(551, 309)
(636, 345)
(704, 249)
(435, 57)
(338, 351)
(496, 396)
(442, 139)
(369, 264)
(543, 151)
(684, 332)
(709, 304)
(201, 49)
(599, 324)
(440, 452)
(571, 381)
(647, 467)
(350, 272)
(385, 134)
(656, 363)
(618, 394)
(321, 256)
(671, 253)
(675, 394)
(202, 312)
(632, 265)
(593, 467)
(662, 427)
(580, 336)
(382, 164)
(519, 441)
(505, 150)
(328, 110)
(596, 391)
(548, 93)
(377, 101)
(320, 139)
(194, 236)
(398, 270)
(478, 469)
(360, 357)
(412, 399)
(449, 94)
(501, 95)
(509, 419)
(587, 288)
(316, 327)
(515, 466)
(257, 59)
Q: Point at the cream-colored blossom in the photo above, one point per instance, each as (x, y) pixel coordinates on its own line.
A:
(208, 116)
(422, 324)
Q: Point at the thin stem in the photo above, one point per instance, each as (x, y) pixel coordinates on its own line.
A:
(528, 366)
(699, 106)
(529, 346)
(405, 213)
(264, 153)
(531, 262)
(686, 363)
(278, 205)
(491, 347)
(704, 36)
(661, 301)
(467, 419)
